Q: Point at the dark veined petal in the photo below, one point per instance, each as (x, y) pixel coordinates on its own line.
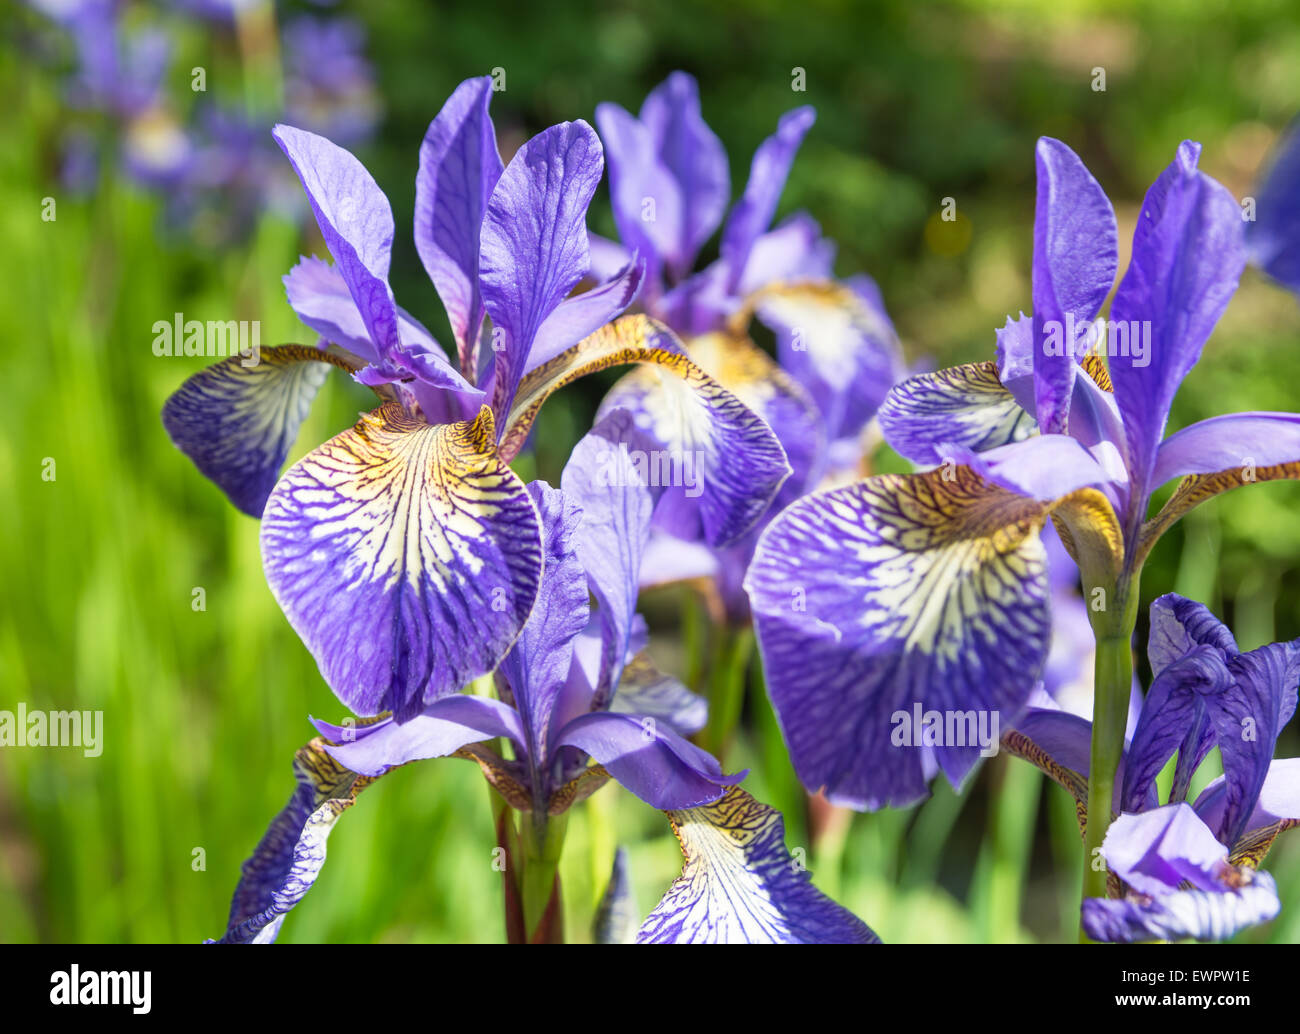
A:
(616, 916)
(1247, 719)
(753, 213)
(645, 690)
(533, 244)
(1179, 625)
(1159, 851)
(537, 666)
(662, 409)
(617, 501)
(576, 317)
(356, 221)
(928, 590)
(407, 557)
(649, 759)
(289, 857)
(459, 167)
(962, 405)
(438, 731)
(741, 463)
(1273, 239)
(1074, 267)
(237, 422)
(1203, 915)
(695, 157)
(1276, 809)
(319, 295)
(840, 349)
(1171, 716)
(1188, 252)
(740, 885)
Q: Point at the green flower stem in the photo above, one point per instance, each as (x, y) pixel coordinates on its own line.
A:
(541, 842)
(1113, 682)
(727, 685)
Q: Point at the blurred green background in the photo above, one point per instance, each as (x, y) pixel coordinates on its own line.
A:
(203, 709)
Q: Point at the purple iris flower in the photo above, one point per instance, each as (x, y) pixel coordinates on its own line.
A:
(405, 552)
(1273, 237)
(574, 689)
(1181, 882)
(1204, 693)
(837, 350)
(932, 589)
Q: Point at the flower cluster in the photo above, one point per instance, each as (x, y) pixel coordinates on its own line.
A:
(458, 611)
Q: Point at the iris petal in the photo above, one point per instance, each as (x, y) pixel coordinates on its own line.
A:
(740, 885)
(928, 590)
(459, 166)
(743, 464)
(289, 857)
(406, 556)
(962, 405)
(238, 422)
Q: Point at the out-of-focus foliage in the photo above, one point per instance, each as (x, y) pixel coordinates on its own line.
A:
(203, 709)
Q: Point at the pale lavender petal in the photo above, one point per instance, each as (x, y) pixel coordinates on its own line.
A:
(1155, 851)
(459, 167)
(537, 666)
(649, 759)
(576, 317)
(442, 728)
(696, 159)
(1074, 267)
(356, 222)
(752, 214)
(1212, 915)
(1240, 440)
(1188, 252)
(534, 243)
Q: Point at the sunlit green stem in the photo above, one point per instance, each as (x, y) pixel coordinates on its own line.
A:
(1112, 687)
(541, 841)
(727, 685)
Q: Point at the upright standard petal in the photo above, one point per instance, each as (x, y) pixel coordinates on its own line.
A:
(1188, 253)
(604, 478)
(961, 405)
(237, 420)
(739, 885)
(695, 157)
(1273, 238)
(742, 463)
(1074, 267)
(289, 857)
(646, 198)
(357, 223)
(407, 557)
(895, 596)
(537, 666)
(753, 213)
(459, 167)
(533, 245)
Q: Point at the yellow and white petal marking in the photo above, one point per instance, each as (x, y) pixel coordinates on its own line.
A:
(741, 886)
(744, 464)
(845, 353)
(961, 405)
(925, 589)
(237, 419)
(406, 556)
